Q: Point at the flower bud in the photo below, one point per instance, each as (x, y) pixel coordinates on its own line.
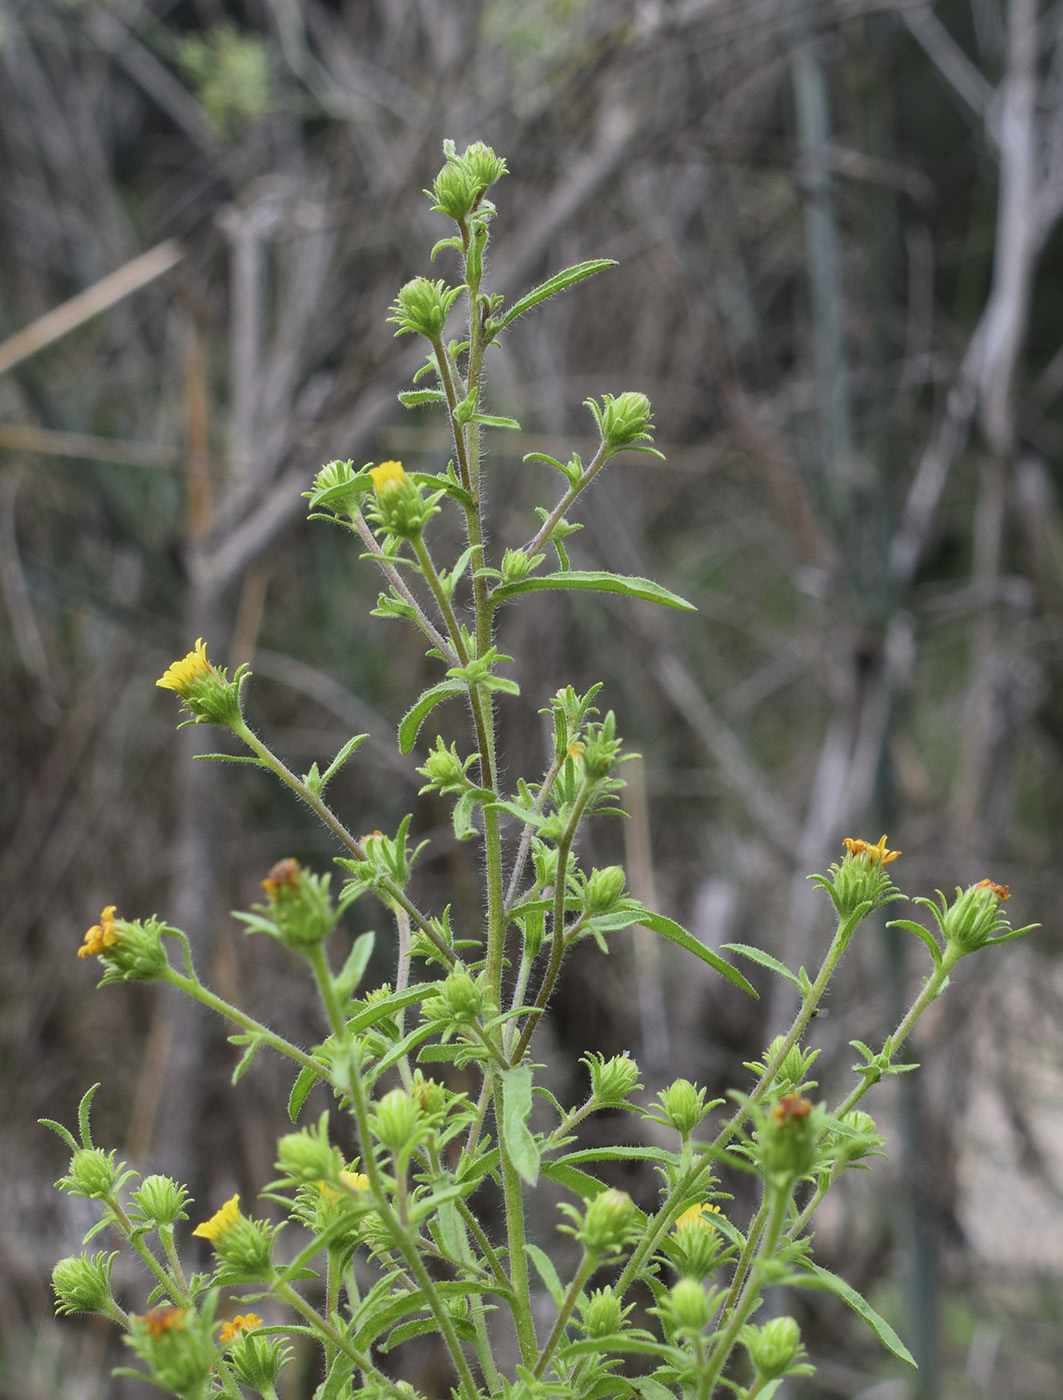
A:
(395, 1120)
(463, 998)
(684, 1106)
(300, 913)
(92, 1174)
(860, 881)
(398, 503)
(604, 889)
(483, 166)
(205, 689)
(83, 1284)
(307, 1155)
(689, 1305)
(431, 1098)
(788, 1137)
(178, 1349)
(611, 1080)
(422, 306)
(695, 1245)
(791, 1076)
(624, 420)
(454, 191)
(130, 950)
(159, 1201)
(773, 1348)
(516, 565)
(601, 751)
(256, 1360)
(338, 487)
(602, 1313)
(859, 1137)
(974, 918)
(444, 769)
(607, 1221)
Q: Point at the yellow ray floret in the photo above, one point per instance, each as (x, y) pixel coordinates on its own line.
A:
(697, 1215)
(184, 673)
(1002, 892)
(242, 1322)
(101, 935)
(220, 1221)
(876, 854)
(387, 471)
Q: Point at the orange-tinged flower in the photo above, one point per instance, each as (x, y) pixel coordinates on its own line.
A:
(285, 873)
(876, 854)
(386, 472)
(1001, 891)
(161, 1320)
(184, 673)
(696, 1215)
(220, 1221)
(101, 935)
(242, 1322)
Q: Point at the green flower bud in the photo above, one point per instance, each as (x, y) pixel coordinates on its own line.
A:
(92, 1174)
(601, 751)
(431, 1098)
(516, 565)
(205, 689)
(775, 1348)
(545, 859)
(256, 1360)
(684, 1106)
(444, 769)
(179, 1350)
(300, 914)
(689, 1305)
(463, 998)
(696, 1246)
(611, 1080)
(607, 1222)
(973, 920)
(454, 191)
(623, 421)
(860, 882)
(396, 1120)
(602, 1313)
(483, 166)
(859, 1137)
(83, 1284)
(307, 1155)
(159, 1201)
(788, 1137)
(422, 307)
(791, 1077)
(604, 889)
(338, 487)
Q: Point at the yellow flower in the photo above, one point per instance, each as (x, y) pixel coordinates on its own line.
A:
(695, 1215)
(101, 935)
(356, 1181)
(387, 471)
(220, 1221)
(184, 673)
(242, 1322)
(162, 1320)
(876, 855)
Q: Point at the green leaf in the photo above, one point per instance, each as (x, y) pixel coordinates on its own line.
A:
(300, 1089)
(581, 1184)
(596, 581)
(463, 809)
(920, 932)
(340, 759)
(758, 955)
(558, 283)
(668, 928)
(413, 398)
(488, 420)
(355, 966)
(546, 1271)
(418, 713)
(818, 1277)
(516, 1111)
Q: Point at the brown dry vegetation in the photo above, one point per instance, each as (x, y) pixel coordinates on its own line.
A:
(840, 284)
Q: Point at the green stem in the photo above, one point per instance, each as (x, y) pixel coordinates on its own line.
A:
(590, 472)
(398, 583)
(315, 956)
(325, 1330)
(588, 1264)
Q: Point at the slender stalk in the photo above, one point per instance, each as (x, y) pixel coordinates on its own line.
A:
(512, 1189)
(565, 503)
(588, 1264)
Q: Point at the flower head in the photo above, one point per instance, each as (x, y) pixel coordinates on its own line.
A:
(387, 471)
(205, 690)
(100, 936)
(221, 1221)
(699, 1215)
(182, 675)
(242, 1322)
(876, 854)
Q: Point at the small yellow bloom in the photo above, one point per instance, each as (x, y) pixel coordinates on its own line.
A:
(162, 1320)
(220, 1221)
(876, 855)
(184, 673)
(357, 1181)
(386, 472)
(1001, 891)
(101, 935)
(695, 1215)
(242, 1322)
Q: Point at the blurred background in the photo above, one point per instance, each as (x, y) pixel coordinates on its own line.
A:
(841, 284)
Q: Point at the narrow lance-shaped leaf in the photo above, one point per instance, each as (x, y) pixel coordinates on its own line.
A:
(596, 582)
(558, 283)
